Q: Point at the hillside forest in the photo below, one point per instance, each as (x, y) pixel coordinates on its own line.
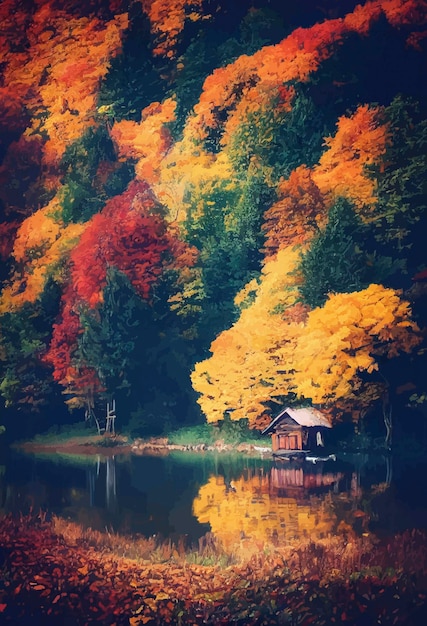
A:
(210, 210)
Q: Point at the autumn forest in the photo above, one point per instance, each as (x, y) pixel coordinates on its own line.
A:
(212, 209)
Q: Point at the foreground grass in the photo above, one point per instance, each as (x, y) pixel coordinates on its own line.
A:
(54, 572)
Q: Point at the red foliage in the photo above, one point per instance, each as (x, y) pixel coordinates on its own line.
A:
(129, 234)
(58, 573)
(64, 339)
(420, 275)
(12, 112)
(62, 348)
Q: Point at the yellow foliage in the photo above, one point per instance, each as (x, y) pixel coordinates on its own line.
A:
(167, 19)
(189, 169)
(41, 244)
(271, 352)
(242, 373)
(36, 232)
(147, 141)
(60, 71)
(83, 50)
(250, 509)
(333, 349)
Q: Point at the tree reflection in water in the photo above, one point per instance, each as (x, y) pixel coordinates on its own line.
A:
(107, 466)
(281, 505)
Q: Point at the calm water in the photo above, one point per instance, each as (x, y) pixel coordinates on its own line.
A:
(234, 497)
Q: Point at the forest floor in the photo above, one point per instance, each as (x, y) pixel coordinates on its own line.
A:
(54, 572)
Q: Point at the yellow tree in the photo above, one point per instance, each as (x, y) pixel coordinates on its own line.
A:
(41, 245)
(278, 349)
(243, 375)
(148, 141)
(344, 339)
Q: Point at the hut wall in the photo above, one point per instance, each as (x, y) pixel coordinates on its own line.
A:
(287, 440)
(312, 443)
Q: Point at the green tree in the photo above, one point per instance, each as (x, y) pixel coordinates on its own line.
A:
(280, 140)
(339, 260)
(25, 382)
(135, 78)
(108, 341)
(224, 223)
(400, 217)
(91, 174)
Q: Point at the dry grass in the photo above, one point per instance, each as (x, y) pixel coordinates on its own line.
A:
(56, 569)
(324, 560)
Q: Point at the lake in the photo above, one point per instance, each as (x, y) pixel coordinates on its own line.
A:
(235, 497)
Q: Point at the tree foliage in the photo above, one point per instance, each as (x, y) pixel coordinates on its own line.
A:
(339, 259)
(182, 174)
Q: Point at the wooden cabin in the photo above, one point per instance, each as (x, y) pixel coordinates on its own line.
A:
(298, 432)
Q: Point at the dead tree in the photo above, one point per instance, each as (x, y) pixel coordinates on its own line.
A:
(110, 418)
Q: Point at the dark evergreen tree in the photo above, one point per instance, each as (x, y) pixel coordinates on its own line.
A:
(26, 383)
(339, 259)
(85, 188)
(135, 78)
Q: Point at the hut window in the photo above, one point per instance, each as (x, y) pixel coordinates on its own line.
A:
(319, 438)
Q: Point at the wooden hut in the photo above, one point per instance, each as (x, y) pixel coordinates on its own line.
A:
(297, 432)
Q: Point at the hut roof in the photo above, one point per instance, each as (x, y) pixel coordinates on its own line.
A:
(304, 417)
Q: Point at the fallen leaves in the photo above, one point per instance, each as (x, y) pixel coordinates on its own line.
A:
(47, 578)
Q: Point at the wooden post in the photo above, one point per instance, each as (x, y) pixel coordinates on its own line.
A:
(110, 418)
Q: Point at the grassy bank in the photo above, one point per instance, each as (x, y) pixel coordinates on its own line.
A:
(226, 437)
(229, 432)
(54, 572)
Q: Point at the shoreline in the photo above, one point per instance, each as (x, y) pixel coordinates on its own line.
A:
(96, 444)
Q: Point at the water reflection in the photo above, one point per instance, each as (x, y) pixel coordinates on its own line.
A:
(236, 498)
(103, 473)
(279, 505)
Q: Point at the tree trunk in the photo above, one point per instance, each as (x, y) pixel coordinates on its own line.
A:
(90, 414)
(388, 420)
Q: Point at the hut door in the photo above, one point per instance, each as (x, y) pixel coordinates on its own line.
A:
(293, 442)
(290, 441)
